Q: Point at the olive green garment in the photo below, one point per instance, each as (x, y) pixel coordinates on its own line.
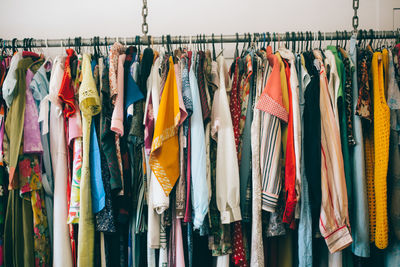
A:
(18, 232)
(15, 119)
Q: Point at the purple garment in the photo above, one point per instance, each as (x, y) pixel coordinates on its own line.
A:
(149, 127)
(32, 140)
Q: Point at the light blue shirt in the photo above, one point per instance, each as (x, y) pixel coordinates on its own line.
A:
(198, 156)
(360, 224)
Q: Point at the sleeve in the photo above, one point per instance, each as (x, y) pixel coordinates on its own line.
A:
(270, 161)
(227, 180)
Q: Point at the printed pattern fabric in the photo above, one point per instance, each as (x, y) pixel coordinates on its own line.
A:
(31, 189)
(364, 104)
(235, 104)
(74, 206)
(348, 87)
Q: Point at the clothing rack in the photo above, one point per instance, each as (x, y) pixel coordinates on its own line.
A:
(165, 39)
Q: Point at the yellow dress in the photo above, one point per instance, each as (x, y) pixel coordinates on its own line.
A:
(381, 142)
(89, 104)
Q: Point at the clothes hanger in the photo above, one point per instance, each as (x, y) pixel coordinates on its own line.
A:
(264, 37)
(169, 47)
(306, 39)
(338, 39)
(359, 37)
(213, 47)
(222, 47)
(274, 40)
(77, 45)
(293, 42)
(30, 44)
(287, 40)
(93, 44)
(2, 48)
(24, 44)
(106, 45)
(371, 36)
(14, 47)
(137, 43)
(268, 38)
(320, 39)
(248, 41)
(180, 43)
(236, 47)
(243, 48)
(301, 39)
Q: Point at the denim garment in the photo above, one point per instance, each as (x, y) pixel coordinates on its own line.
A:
(360, 217)
(305, 223)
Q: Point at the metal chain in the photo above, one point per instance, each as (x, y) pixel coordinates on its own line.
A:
(355, 17)
(145, 11)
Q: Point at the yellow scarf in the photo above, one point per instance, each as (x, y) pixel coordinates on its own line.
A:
(164, 155)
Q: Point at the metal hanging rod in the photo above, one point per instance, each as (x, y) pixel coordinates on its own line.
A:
(268, 37)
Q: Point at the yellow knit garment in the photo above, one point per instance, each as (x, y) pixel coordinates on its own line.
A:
(369, 172)
(381, 141)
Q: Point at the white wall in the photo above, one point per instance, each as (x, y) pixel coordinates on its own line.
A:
(88, 18)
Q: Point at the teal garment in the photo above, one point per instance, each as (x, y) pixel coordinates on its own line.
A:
(343, 129)
(97, 187)
(392, 254)
(360, 214)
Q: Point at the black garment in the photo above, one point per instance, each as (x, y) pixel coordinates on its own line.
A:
(312, 138)
(144, 69)
(108, 136)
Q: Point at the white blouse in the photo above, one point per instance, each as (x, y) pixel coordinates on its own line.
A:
(62, 246)
(227, 169)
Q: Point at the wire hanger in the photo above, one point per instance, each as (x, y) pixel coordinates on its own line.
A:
(213, 47)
